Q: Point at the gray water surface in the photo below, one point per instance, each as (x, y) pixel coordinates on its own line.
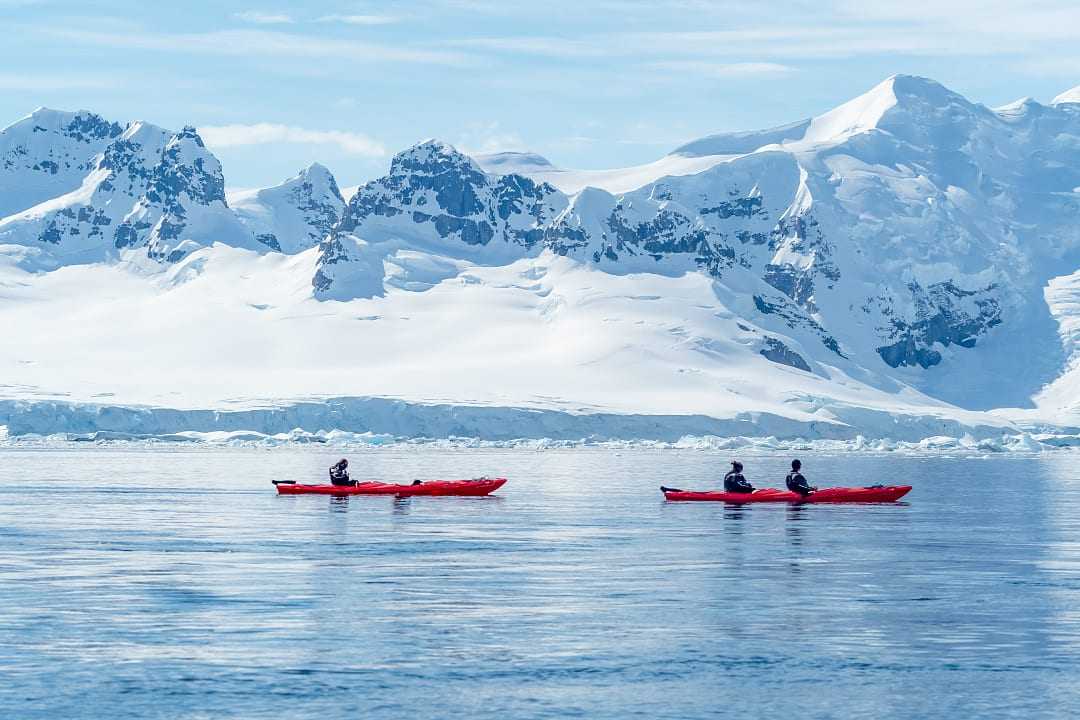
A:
(149, 583)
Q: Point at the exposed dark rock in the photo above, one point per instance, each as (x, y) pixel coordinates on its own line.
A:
(944, 314)
(793, 317)
(88, 126)
(794, 282)
(741, 207)
(778, 352)
(269, 240)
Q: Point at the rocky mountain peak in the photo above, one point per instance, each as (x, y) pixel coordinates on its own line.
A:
(432, 157)
(82, 126)
(295, 215)
(322, 181)
(48, 153)
(187, 168)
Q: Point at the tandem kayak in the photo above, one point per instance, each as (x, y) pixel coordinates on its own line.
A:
(479, 486)
(879, 494)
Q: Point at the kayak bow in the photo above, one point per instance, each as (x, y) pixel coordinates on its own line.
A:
(477, 487)
(879, 494)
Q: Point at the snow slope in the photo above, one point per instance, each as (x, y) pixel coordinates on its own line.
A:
(1069, 96)
(620, 180)
(547, 333)
(1061, 399)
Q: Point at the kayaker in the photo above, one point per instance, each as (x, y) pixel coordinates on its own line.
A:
(734, 482)
(339, 473)
(796, 483)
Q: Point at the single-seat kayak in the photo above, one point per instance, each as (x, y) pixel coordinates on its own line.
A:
(878, 494)
(479, 486)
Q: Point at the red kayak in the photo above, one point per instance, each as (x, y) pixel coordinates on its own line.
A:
(880, 494)
(479, 486)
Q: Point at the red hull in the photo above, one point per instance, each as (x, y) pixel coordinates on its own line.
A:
(483, 486)
(890, 493)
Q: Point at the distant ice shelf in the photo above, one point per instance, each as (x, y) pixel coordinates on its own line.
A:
(373, 420)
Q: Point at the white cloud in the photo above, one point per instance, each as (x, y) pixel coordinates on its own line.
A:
(259, 42)
(723, 70)
(222, 136)
(1059, 66)
(60, 81)
(572, 143)
(360, 19)
(262, 18)
(556, 47)
(480, 138)
(829, 29)
(774, 42)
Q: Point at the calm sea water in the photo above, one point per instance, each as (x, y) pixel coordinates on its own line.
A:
(176, 584)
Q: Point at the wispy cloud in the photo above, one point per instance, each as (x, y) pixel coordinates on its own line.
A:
(723, 70)
(555, 47)
(263, 18)
(360, 19)
(481, 138)
(258, 42)
(1060, 66)
(765, 42)
(571, 143)
(60, 81)
(222, 136)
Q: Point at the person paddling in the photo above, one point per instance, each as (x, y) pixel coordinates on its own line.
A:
(796, 483)
(339, 473)
(734, 482)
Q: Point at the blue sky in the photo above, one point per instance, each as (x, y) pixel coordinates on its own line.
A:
(587, 83)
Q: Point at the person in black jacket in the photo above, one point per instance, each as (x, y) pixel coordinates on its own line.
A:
(339, 473)
(734, 482)
(796, 482)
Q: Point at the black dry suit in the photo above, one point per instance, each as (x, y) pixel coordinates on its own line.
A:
(734, 482)
(797, 483)
(339, 473)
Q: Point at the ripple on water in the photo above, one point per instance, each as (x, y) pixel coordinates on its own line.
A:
(178, 584)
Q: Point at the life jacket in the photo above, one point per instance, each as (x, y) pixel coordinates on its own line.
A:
(797, 483)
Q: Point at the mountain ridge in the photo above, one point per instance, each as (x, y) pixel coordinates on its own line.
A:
(907, 243)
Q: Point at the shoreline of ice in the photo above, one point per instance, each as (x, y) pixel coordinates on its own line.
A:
(372, 423)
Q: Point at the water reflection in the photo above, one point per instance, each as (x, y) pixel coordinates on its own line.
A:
(795, 516)
(734, 514)
(558, 598)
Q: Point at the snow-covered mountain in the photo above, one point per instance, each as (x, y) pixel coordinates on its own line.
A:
(1069, 96)
(438, 202)
(907, 254)
(81, 189)
(47, 154)
(908, 232)
(295, 215)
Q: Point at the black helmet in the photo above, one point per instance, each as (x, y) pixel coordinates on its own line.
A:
(737, 465)
(796, 464)
(343, 462)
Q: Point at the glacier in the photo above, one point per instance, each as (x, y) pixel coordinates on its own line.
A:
(902, 268)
